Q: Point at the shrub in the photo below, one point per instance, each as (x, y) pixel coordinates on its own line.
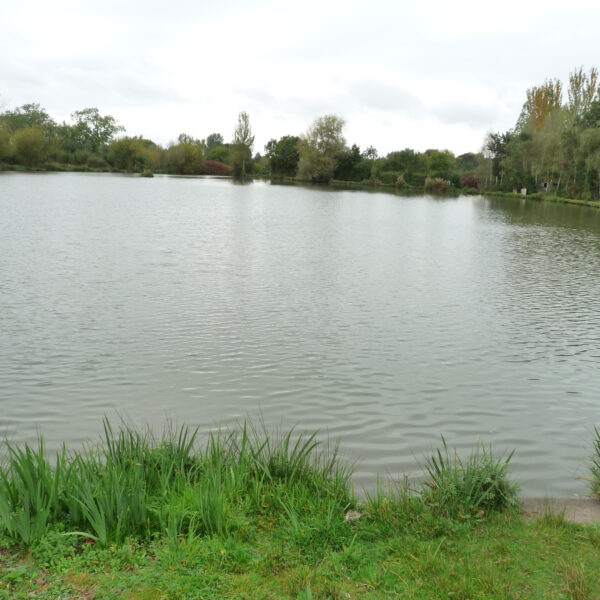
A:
(388, 177)
(96, 162)
(214, 167)
(436, 185)
(468, 180)
(400, 182)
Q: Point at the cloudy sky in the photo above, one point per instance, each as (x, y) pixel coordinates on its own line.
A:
(428, 74)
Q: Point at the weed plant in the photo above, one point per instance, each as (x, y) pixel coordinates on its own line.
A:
(596, 463)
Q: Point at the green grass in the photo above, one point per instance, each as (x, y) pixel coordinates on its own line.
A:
(251, 515)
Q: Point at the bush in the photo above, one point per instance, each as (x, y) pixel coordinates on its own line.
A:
(471, 489)
(400, 182)
(214, 167)
(436, 185)
(468, 180)
(96, 162)
(388, 177)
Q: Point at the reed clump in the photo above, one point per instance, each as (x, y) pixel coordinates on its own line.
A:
(135, 485)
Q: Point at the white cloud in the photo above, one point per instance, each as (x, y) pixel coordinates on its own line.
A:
(436, 74)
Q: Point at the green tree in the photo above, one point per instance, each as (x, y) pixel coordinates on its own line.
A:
(468, 162)
(186, 157)
(220, 154)
(442, 164)
(590, 147)
(92, 130)
(129, 153)
(354, 165)
(319, 148)
(214, 140)
(583, 90)
(5, 149)
(283, 155)
(30, 146)
(240, 151)
(28, 115)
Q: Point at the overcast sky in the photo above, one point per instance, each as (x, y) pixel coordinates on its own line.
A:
(428, 74)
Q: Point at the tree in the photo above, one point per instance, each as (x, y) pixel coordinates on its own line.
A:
(92, 130)
(468, 162)
(370, 153)
(132, 153)
(187, 156)
(28, 115)
(220, 154)
(320, 147)
(283, 155)
(4, 142)
(213, 141)
(583, 90)
(31, 145)
(541, 101)
(590, 146)
(240, 152)
(442, 164)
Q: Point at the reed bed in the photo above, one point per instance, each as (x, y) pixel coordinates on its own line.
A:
(136, 485)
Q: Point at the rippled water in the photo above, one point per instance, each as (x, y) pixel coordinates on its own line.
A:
(383, 321)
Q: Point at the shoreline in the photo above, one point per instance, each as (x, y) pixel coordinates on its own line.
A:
(584, 511)
(248, 515)
(332, 184)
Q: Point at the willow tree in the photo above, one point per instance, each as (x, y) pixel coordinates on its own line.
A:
(320, 147)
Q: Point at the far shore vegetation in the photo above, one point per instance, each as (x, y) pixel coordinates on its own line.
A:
(553, 151)
(249, 514)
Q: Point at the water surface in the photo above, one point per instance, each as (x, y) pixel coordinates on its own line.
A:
(382, 320)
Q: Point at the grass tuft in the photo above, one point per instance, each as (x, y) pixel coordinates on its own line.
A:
(468, 489)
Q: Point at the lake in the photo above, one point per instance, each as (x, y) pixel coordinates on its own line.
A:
(384, 321)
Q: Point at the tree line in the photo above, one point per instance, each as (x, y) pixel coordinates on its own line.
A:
(553, 147)
(555, 144)
(30, 138)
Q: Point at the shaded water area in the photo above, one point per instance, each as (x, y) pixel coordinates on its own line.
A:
(384, 321)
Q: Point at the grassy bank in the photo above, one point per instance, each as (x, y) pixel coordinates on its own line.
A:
(250, 515)
(541, 197)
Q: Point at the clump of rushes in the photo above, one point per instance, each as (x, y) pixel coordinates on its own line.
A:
(135, 485)
(468, 489)
(596, 463)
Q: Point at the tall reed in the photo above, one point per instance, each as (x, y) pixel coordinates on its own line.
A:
(134, 484)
